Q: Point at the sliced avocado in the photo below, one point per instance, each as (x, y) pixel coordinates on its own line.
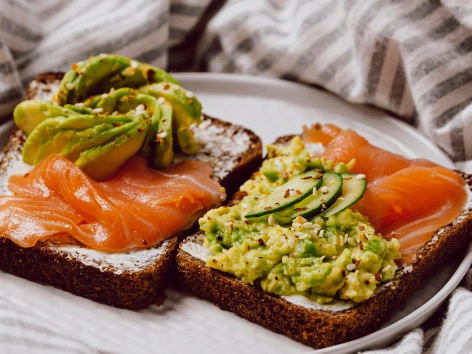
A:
(50, 135)
(186, 111)
(163, 152)
(101, 73)
(28, 114)
(71, 143)
(102, 161)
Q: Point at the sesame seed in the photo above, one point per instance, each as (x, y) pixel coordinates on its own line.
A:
(351, 241)
(79, 104)
(350, 267)
(189, 94)
(97, 110)
(308, 225)
(341, 198)
(162, 135)
(46, 194)
(298, 233)
(291, 192)
(321, 234)
(314, 232)
(331, 182)
(105, 95)
(70, 86)
(387, 268)
(134, 64)
(324, 189)
(271, 220)
(296, 224)
(161, 100)
(103, 55)
(140, 108)
(314, 191)
(360, 176)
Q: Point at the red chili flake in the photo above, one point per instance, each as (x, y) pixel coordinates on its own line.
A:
(343, 273)
(26, 174)
(150, 75)
(166, 86)
(276, 277)
(317, 125)
(287, 193)
(300, 209)
(364, 238)
(356, 261)
(361, 246)
(75, 66)
(144, 242)
(361, 227)
(116, 124)
(214, 261)
(367, 282)
(261, 242)
(298, 192)
(378, 277)
(268, 208)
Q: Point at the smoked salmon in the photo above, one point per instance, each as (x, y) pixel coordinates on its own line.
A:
(406, 199)
(138, 207)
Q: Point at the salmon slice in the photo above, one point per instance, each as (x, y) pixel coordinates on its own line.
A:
(320, 133)
(137, 207)
(406, 199)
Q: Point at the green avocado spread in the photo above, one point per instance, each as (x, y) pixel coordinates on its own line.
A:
(322, 258)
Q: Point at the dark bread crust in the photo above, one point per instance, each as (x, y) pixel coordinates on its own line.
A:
(129, 289)
(317, 328)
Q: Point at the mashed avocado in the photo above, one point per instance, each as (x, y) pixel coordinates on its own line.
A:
(322, 258)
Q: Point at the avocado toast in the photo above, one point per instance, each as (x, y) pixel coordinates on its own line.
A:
(136, 278)
(211, 263)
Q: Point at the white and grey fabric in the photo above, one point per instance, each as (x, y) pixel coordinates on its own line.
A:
(410, 57)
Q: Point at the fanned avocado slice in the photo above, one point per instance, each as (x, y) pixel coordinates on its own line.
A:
(28, 114)
(104, 72)
(162, 152)
(51, 135)
(101, 162)
(187, 110)
(158, 143)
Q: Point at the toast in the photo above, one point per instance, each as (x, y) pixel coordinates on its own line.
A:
(135, 279)
(320, 328)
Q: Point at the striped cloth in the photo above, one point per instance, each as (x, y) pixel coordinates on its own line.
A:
(412, 58)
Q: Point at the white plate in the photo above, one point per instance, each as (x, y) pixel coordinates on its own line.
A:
(185, 324)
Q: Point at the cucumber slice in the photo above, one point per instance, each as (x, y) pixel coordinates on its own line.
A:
(354, 187)
(328, 193)
(288, 194)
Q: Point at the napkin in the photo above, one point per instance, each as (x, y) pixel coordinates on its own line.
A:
(410, 58)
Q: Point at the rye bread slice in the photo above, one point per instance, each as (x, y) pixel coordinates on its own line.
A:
(324, 328)
(135, 279)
